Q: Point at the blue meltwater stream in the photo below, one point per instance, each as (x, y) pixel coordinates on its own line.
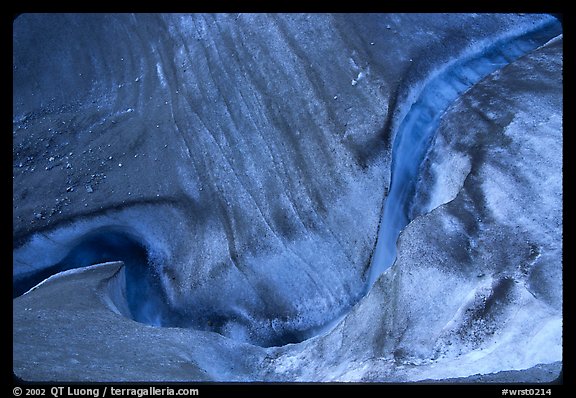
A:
(416, 131)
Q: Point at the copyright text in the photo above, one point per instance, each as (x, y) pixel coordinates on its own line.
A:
(102, 392)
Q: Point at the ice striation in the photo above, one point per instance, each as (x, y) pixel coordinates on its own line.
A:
(239, 177)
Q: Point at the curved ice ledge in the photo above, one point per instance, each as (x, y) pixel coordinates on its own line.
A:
(417, 129)
(136, 292)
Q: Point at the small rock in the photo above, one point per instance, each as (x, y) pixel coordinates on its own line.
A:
(119, 164)
(68, 165)
(51, 159)
(37, 216)
(137, 79)
(388, 26)
(70, 189)
(89, 189)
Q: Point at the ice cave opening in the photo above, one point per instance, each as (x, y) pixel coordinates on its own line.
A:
(143, 291)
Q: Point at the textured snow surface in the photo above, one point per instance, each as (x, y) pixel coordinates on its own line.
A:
(239, 152)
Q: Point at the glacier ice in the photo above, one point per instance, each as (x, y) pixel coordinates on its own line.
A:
(253, 202)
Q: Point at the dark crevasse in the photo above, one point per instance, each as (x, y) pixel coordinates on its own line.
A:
(417, 129)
